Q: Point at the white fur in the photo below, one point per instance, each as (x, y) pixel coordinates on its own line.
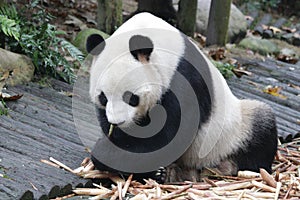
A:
(115, 70)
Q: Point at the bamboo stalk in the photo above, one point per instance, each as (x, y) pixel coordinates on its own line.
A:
(102, 196)
(241, 195)
(288, 191)
(89, 191)
(210, 182)
(175, 193)
(50, 163)
(78, 170)
(61, 164)
(119, 186)
(248, 174)
(93, 176)
(268, 178)
(33, 186)
(116, 179)
(85, 161)
(278, 187)
(234, 186)
(90, 166)
(115, 195)
(126, 185)
(263, 186)
(158, 192)
(65, 197)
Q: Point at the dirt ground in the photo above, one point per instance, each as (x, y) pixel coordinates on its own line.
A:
(73, 16)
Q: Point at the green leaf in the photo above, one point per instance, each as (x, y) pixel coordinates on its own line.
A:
(9, 27)
(73, 51)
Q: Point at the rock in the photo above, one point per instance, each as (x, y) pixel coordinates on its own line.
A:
(262, 46)
(288, 52)
(15, 68)
(296, 39)
(80, 40)
(237, 22)
(288, 37)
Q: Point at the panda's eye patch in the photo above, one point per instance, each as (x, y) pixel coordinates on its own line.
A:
(131, 99)
(102, 99)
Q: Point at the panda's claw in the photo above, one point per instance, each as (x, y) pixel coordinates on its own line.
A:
(160, 175)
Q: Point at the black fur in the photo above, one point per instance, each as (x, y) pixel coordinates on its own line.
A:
(95, 44)
(262, 146)
(192, 67)
(159, 175)
(143, 145)
(139, 44)
(192, 74)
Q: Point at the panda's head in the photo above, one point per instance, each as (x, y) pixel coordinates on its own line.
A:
(124, 82)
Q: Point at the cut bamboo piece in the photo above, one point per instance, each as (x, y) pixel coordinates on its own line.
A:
(234, 186)
(61, 164)
(263, 186)
(248, 174)
(89, 191)
(268, 178)
(126, 185)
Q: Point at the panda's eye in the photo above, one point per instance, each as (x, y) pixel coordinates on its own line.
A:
(131, 99)
(102, 99)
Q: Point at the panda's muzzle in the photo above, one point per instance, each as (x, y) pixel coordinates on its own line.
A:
(118, 124)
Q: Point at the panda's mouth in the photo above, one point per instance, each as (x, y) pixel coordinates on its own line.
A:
(118, 124)
(143, 121)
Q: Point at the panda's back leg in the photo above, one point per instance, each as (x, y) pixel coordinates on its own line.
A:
(261, 147)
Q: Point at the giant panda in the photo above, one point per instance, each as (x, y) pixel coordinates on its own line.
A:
(231, 134)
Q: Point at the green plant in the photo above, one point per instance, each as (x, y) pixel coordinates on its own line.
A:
(224, 68)
(9, 27)
(39, 40)
(266, 5)
(3, 108)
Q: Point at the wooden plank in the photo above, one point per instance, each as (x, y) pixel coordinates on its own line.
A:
(39, 125)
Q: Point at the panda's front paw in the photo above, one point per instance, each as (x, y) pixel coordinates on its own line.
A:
(160, 175)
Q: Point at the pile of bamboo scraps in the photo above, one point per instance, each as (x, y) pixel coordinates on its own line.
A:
(284, 183)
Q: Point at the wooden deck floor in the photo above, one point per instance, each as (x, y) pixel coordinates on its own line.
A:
(40, 125)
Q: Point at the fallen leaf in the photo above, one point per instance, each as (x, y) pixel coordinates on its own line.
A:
(8, 97)
(274, 91)
(287, 59)
(288, 29)
(294, 86)
(275, 29)
(217, 54)
(200, 38)
(265, 27)
(240, 72)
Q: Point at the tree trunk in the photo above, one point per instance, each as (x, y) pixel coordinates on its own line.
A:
(160, 8)
(2, 39)
(109, 15)
(218, 22)
(187, 10)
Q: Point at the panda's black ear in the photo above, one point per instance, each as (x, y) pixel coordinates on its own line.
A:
(140, 47)
(95, 44)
